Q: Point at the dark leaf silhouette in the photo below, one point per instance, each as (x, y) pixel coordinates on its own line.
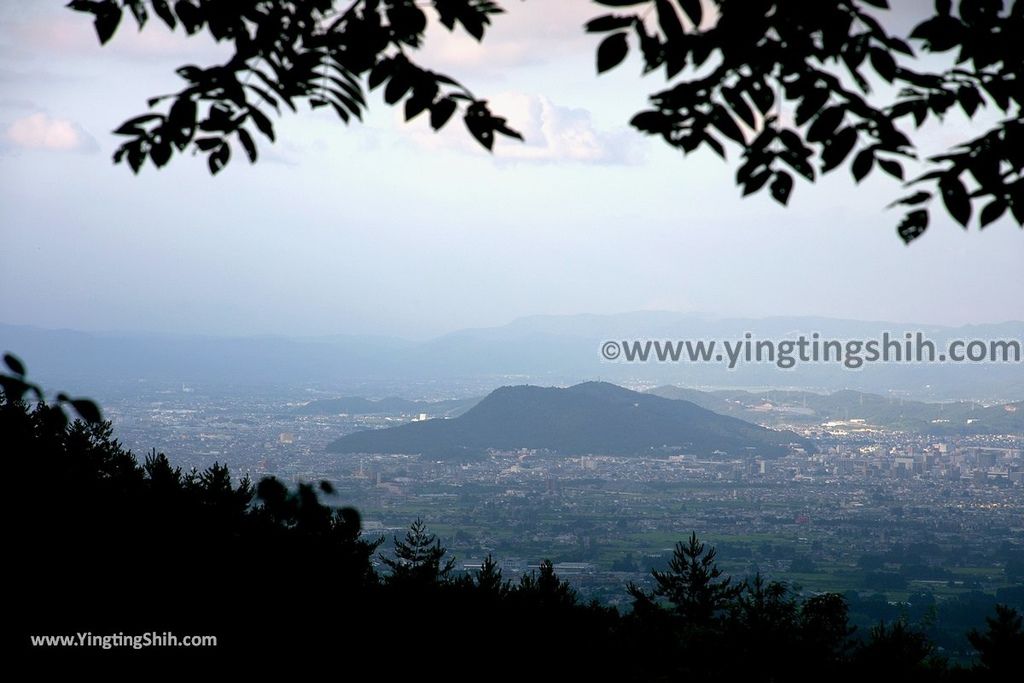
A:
(891, 167)
(954, 195)
(862, 164)
(441, 111)
(609, 22)
(163, 10)
(781, 187)
(913, 225)
(14, 364)
(825, 124)
(916, 198)
(993, 210)
(693, 10)
(883, 63)
(611, 52)
(838, 148)
(88, 410)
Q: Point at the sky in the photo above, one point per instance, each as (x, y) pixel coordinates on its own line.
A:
(388, 228)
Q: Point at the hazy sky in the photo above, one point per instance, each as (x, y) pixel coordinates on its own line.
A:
(388, 228)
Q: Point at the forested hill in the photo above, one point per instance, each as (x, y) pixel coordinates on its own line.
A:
(590, 418)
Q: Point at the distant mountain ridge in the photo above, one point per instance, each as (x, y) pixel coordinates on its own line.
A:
(591, 418)
(356, 405)
(538, 350)
(802, 407)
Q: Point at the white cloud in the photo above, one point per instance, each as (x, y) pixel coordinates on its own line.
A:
(556, 133)
(41, 131)
(551, 133)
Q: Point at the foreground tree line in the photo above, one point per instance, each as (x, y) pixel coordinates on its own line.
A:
(102, 543)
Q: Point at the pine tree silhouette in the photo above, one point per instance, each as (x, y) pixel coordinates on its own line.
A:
(419, 558)
(693, 583)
